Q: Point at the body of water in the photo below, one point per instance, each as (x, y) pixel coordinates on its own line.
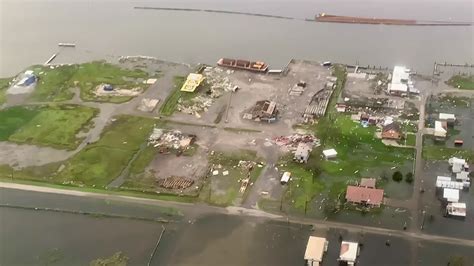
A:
(31, 29)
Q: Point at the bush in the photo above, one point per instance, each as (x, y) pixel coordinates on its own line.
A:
(409, 177)
(397, 176)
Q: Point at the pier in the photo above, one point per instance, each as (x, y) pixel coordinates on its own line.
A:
(50, 59)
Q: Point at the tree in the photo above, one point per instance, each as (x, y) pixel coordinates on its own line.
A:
(397, 176)
(409, 177)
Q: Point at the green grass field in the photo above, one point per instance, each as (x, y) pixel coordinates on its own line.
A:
(99, 163)
(171, 102)
(90, 75)
(4, 84)
(437, 153)
(463, 82)
(410, 139)
(54, 126)
(54, 83)
(14, 118)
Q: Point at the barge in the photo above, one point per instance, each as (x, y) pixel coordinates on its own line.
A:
(256, 66)
(323, 17)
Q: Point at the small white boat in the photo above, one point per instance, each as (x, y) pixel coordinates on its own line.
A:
(66, 44)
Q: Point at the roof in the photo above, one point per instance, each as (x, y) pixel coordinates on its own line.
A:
(367, 182)
(463, 175)
(457, 208)
(440, 129)
(315, 248)
(444, 116)
(398, 87)
(349, 251)
(392, 126)
(330, 152)
(400, 73)
(449, 184)
(455, 160)
(192, 82)
(371, 196)
(451, 195)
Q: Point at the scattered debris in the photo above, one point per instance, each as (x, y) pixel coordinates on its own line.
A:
(170, 140)
(291, 142)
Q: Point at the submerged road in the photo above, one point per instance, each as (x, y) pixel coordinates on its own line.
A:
(19, 195)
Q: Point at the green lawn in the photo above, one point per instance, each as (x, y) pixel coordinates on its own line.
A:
(4, 84)
(463, 82)
(171, 102)
(90, 75)
(54, 83)
(410, 139)
(14, 118)
(433, 152)
(99, 163)
(55, 126)
(224, 190)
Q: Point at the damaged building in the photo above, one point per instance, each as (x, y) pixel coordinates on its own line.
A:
(262, 111)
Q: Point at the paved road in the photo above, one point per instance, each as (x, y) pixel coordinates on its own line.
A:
(193, 210)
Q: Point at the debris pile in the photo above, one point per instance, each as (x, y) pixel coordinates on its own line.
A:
(218, 82)
(291, 142)
(297, 89)
(174, 139)
(262, 111)
(175, 182)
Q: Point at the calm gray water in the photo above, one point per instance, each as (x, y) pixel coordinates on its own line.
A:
(31, 29)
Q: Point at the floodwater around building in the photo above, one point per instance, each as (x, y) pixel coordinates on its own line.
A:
(102, 28)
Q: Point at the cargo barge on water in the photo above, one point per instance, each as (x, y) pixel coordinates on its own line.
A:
(323, 17)
(256, 66)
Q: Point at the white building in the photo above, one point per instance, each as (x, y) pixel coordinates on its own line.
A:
(451, 195)
(330, 153)
(349, 252)
(456, 209)
(447, 117)
(285, 178)
(401, 84)
(315, 250)
(458, 165)
(463, 177)
(440, 130)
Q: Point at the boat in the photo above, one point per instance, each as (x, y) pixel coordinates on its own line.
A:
(66, 44)
(256, 66)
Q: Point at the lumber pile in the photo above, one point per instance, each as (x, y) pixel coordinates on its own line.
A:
(175, 182)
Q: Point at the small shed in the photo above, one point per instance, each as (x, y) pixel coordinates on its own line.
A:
(330, 153)
(285, 178)
(302, 152)
(349, 252)
(451, 195)
(315, 250)
(450, 118)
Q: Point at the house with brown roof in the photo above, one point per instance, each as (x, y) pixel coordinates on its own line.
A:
(392, 131)
(364, 195)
